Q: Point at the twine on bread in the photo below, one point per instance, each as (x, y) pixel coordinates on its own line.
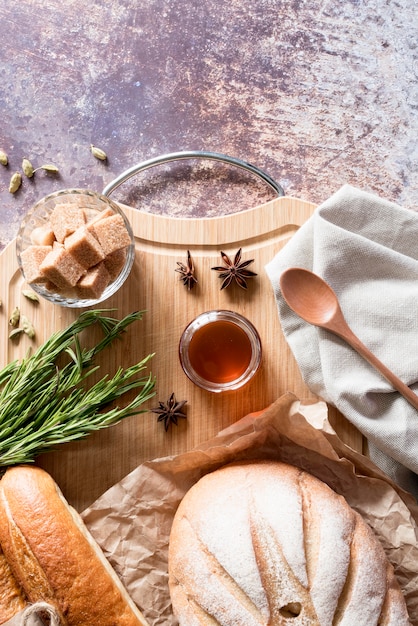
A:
(38, 609)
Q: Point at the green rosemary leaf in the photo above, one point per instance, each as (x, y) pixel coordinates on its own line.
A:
(43, 402)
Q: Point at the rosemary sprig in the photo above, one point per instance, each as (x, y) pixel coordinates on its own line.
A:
(43, 404)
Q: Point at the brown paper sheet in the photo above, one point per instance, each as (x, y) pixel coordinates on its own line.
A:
(132, 520)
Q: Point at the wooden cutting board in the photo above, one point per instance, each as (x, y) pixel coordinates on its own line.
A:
(85, 469)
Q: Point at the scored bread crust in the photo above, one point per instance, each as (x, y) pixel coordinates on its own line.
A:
(53, 556)
(265, 543)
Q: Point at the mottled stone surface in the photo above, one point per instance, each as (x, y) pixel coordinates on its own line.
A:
(317, 93)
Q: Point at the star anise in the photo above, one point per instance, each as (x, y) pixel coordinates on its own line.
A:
(187, 272)
(234, 270)
(170, 411)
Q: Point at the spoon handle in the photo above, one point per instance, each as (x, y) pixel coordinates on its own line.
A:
(343, 330)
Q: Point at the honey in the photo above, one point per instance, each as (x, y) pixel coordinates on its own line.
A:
(220, 350)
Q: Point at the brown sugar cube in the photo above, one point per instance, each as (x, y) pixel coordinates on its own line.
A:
(65, 219)
(67, 292)
(42, 235)
(93, 215)
(61, 268)
(111, 233)
(115, 261)
(31, 259)
(84, 247)
(79, 200)
(94, 282)
(49, 285)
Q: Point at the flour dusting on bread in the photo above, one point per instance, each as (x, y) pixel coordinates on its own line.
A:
(265, 544)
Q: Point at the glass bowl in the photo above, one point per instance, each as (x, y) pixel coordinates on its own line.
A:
(220, 350)
(35, 232)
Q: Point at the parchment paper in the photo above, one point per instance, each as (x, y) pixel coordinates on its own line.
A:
(132, 520)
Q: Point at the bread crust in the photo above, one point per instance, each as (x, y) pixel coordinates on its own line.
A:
(54, 558)
(265, 543)
(12, 597)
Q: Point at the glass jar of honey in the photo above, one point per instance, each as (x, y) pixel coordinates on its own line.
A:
(220, 350)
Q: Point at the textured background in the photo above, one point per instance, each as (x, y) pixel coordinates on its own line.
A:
(316, 93)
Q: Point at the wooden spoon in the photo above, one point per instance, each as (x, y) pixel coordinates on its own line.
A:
(314, 301)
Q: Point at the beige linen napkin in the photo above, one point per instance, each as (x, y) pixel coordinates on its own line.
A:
(366, 248)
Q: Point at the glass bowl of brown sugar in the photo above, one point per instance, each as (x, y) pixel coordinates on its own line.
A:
(75, 248)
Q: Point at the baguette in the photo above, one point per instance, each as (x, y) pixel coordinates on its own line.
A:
(12, 597)
(265, 543)
(54, 558)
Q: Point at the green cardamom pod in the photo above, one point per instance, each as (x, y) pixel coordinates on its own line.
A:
(98, 153)
(15, 333)
(28, 327)
(30, 295)
(49, 168)
(15, 317)
(15, 182)
(3, 158)
(27, 168)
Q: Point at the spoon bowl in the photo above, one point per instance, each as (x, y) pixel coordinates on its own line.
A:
(309, 295)
(312, 299)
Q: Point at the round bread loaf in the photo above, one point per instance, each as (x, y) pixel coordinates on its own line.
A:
(265, 543)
